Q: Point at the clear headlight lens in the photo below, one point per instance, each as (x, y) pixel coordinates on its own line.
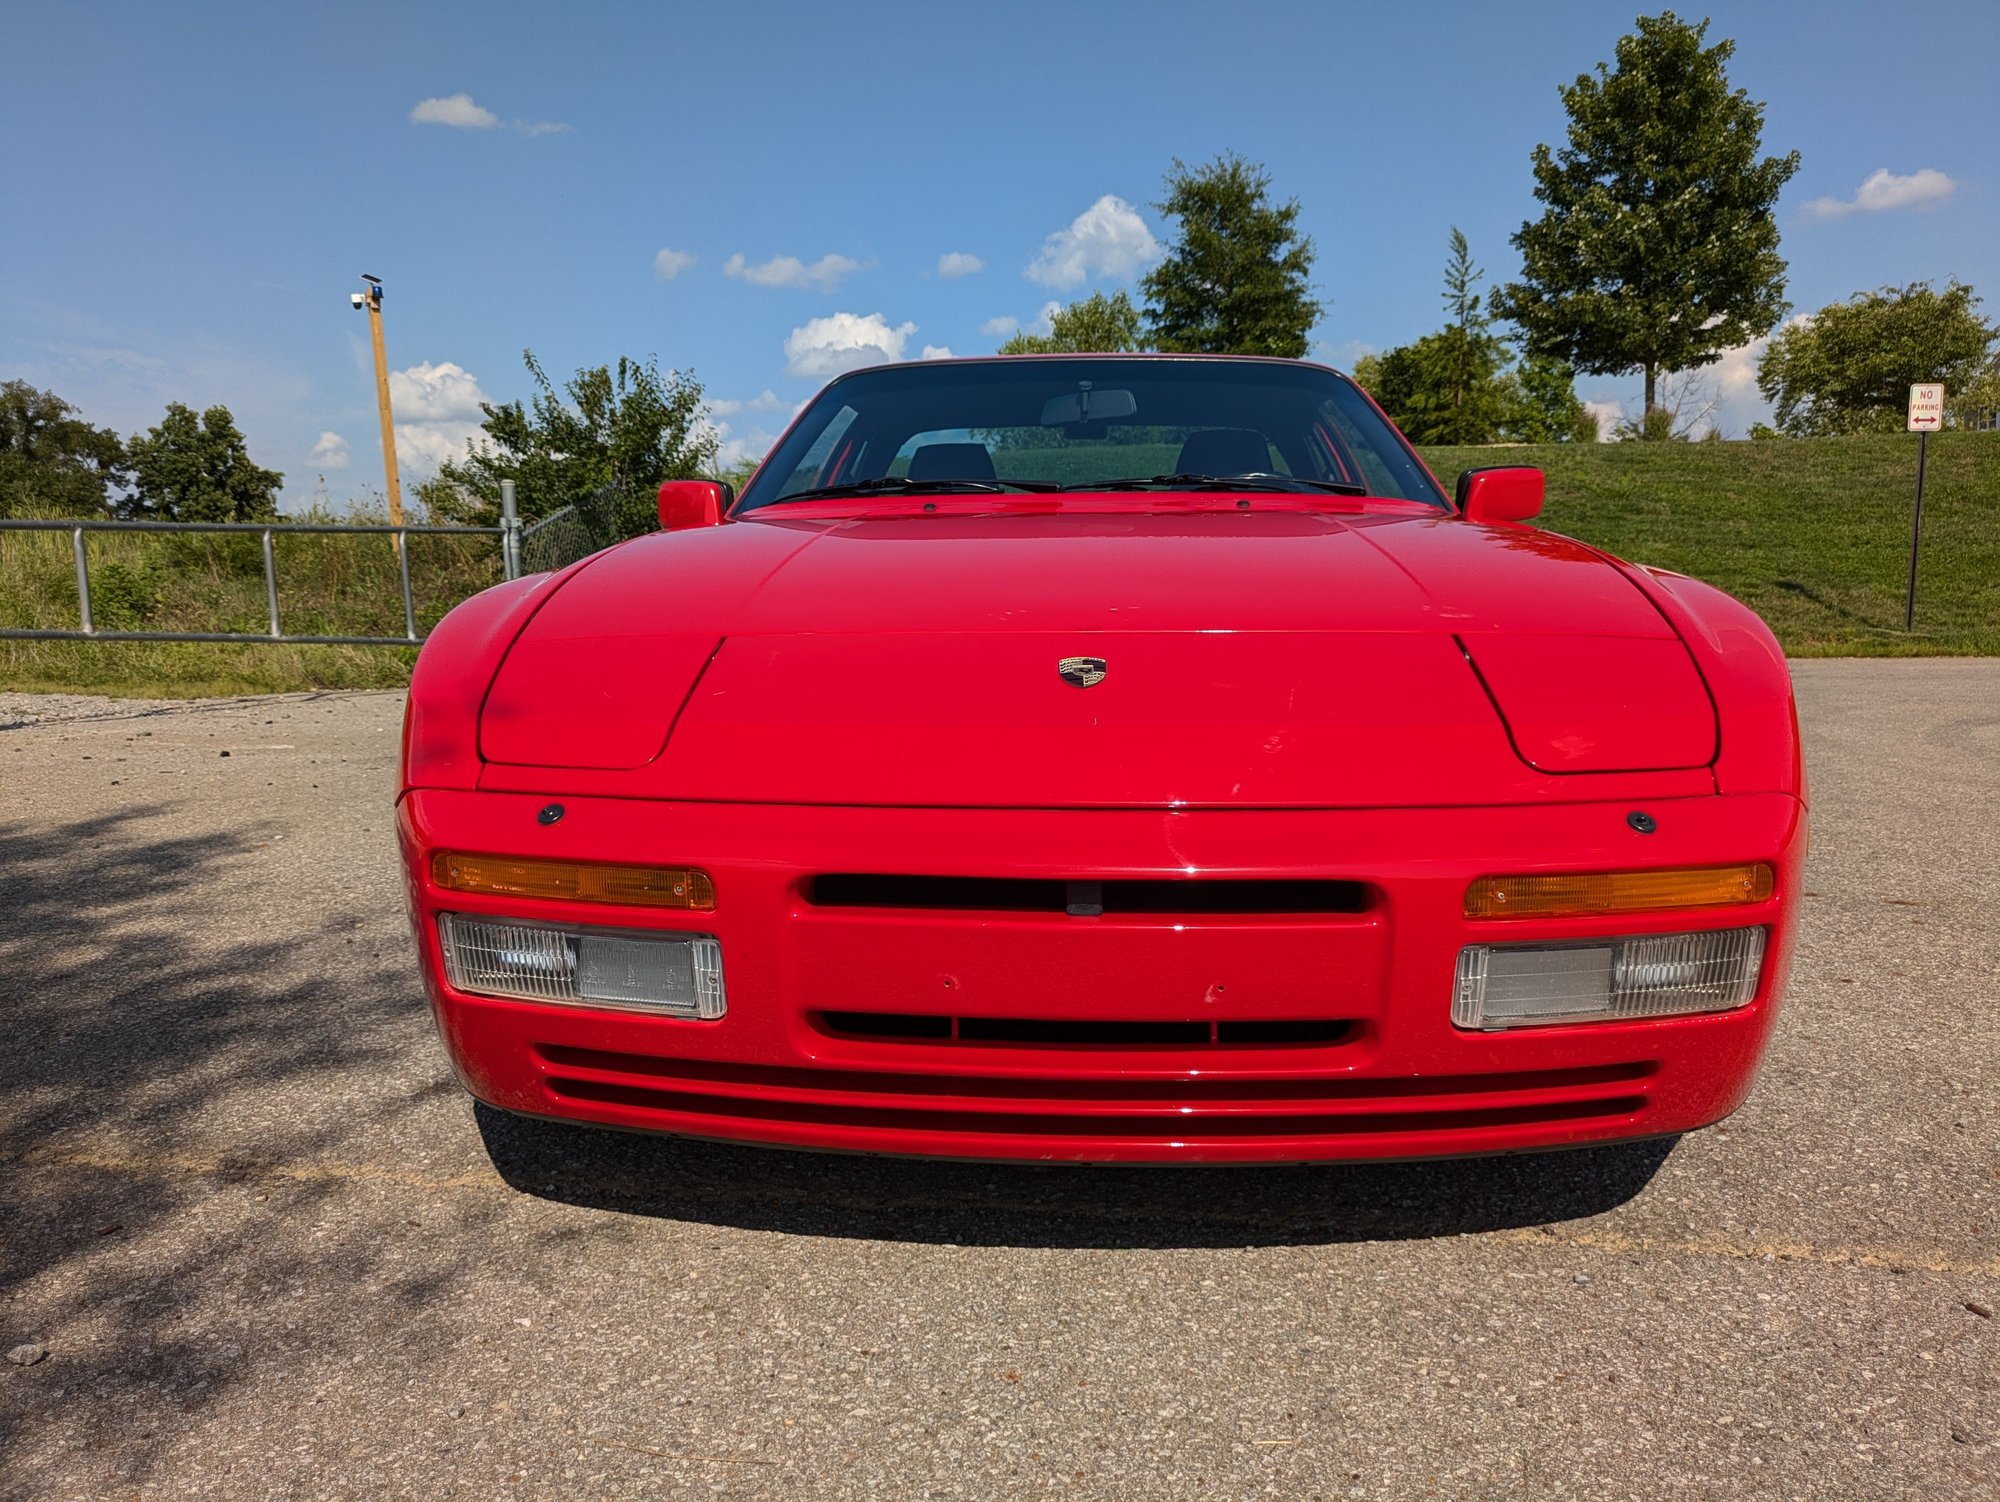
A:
(677, 975)
(1606, 980)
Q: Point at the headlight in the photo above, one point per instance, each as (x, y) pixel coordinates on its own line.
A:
(1608, 980)
(677, 975)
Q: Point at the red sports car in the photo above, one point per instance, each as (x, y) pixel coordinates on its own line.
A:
(1106, 758)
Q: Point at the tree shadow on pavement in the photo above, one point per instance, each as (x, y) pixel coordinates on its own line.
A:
(1016, 1205)
(171, 1062)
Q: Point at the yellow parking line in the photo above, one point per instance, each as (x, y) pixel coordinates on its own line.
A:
(477, 1181)
(1755, 1251)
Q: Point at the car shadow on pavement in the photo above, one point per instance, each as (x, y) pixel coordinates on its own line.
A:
(1028, 1205)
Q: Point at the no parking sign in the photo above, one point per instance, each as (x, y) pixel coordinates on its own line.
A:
(1926, 407)
(1926, 417)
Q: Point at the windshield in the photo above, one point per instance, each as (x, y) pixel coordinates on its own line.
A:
(1091, 422)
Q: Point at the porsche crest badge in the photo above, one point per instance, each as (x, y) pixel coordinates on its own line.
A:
(1082, 671)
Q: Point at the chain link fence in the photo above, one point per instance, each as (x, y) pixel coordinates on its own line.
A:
(562, 537)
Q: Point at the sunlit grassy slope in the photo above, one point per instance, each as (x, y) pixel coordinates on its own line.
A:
(1814, 534)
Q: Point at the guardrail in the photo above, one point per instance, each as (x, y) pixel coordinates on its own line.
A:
(508, 532)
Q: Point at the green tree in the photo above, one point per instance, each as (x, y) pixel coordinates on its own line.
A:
(625, 427)
(1657, 248)
(1455, 386)
(1849, 368)
(52, 462)
(1543, 406)
(197, 469)
(1237, 278)
(1098, 325)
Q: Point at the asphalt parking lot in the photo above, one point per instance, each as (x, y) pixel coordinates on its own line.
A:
(265, 1248)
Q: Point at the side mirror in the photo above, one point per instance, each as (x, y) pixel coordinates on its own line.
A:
(1507, 493)
(693, 503)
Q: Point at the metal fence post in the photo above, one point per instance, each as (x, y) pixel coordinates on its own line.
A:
(271, 583)
(82, 581)
(510, 532)
(409, 606)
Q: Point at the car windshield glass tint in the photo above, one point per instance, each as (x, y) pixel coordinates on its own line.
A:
(1089, 421)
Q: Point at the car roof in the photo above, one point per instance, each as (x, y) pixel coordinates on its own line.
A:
(1133, 354)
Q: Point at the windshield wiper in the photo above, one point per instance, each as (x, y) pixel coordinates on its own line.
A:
(1251, 481)
(901, 485)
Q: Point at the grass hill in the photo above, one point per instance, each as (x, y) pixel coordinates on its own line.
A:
(1812, 533)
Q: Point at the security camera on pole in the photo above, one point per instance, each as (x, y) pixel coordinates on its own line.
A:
(371, 299)
(1926, 417)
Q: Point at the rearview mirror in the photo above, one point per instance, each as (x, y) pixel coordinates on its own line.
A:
(1088, 406)
(693, 503)
(1504, 493)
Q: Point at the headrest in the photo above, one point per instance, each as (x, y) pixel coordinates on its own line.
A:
(1224, 451)
(951, 461)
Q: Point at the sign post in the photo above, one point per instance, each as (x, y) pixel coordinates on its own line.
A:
(1926, 417)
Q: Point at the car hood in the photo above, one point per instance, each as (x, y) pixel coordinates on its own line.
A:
(1281, 658)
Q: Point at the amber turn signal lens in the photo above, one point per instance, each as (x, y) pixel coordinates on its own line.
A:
(1617, 892)
(569, 881)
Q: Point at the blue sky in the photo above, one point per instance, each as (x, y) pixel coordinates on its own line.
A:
(191, 192)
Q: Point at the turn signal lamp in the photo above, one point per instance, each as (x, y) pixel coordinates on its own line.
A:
(1612, 980)
(674, 975)
(1567, 896)
(570, 881)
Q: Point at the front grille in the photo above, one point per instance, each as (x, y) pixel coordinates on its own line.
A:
(1192, 896)
(1041, 1032)
(1131, 1107)
(1155, 1126)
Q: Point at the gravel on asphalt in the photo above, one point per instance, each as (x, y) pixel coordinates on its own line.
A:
(266, 1248)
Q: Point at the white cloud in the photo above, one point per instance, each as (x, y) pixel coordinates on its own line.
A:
(734, 447)
(459, 110)
(329, 453)
(1344, 354)
(1106, 239)
(731, 447)
(437, 412)
(790, 271)
(669, 264)
(1608, 415)
(1735, 374)
(456, 109)
(937, 352)
(1887, 190)
(959, 263)
(826, 346)
(1002, 327)
(1045, 321)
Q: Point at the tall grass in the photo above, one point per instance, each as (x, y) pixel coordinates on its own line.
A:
(328, 585)
(1812, 533)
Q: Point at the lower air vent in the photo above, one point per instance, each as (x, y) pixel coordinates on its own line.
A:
(1065, 1032)
(1087, 898)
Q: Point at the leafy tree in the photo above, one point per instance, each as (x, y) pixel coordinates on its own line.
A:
(1977, 402)
(52, 462)
(1236, 279)
(1849, 368)
(1469, 358)
(1545, 407)
(1097, 325)
(1657, 249)
(625, 427)
(196, 469)
(1455, 387)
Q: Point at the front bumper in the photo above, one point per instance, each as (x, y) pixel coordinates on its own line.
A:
(1398, 1081)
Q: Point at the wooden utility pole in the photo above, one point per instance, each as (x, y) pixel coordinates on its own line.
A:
(372, 300)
